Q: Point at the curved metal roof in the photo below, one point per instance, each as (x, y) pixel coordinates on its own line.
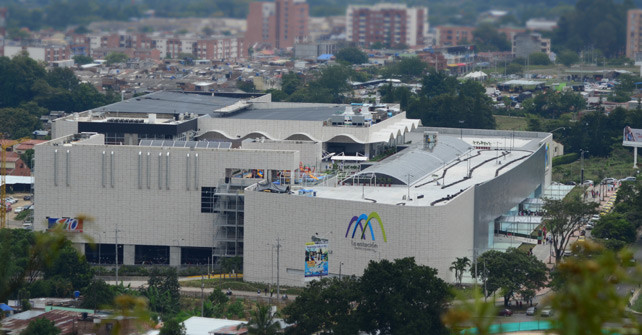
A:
(418, 162)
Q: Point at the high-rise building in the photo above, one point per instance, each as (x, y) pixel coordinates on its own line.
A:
(634, 34)
(389, 24)
(3, 21)
(280, 23)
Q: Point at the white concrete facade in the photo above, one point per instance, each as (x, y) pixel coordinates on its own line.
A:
(152, 195)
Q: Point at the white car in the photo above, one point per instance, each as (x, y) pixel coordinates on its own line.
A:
(18, 210)
(12, 200)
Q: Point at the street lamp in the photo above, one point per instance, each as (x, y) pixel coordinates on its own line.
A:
(461, 129)
(340, 264)
(582, 151)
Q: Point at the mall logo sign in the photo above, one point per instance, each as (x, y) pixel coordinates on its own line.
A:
(364, 222)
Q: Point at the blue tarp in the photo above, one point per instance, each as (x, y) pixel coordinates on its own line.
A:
(325, 57)
(5, 308)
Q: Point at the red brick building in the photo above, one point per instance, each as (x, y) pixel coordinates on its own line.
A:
(389, 24)
(456, 35)
(279, 24)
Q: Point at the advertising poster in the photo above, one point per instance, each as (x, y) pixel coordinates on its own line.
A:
(316, 260)
(66, 224)
(632, 135)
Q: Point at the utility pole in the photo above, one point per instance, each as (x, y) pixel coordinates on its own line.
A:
(116, 255)
(582, 151)
(408, 183)
(202, 297)
(278, 269)
(340, 264)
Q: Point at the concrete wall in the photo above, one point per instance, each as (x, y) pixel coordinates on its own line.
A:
(435, 236)
(148, 204)
(310, 151)
(63, 127)
(282, 129)
(499, 195)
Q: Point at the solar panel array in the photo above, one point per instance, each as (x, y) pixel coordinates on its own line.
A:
(186, 144)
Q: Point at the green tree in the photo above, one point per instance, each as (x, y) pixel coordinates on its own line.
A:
(401, 297)
(459, 265)
(82, 60)
(41, 326)
(513, 272)
(538, 58)
(70, 261)
(290, 82)
(63, 78)
(163, 291)
(588, 298)
(352, 55)
(487, 38)
(115, 57)
(262, 321)
(326, 305)
(514, 68)
(615, 227)
(97, 294)
(173, 327)
(568, 57)
(594, 23)
(563, 217)
(246, 86)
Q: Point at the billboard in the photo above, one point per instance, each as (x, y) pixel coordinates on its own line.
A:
(632, 136)
(316, 259)
(66, 224)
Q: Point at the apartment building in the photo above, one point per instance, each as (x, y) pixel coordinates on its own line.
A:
(389, 24)
(279, 24)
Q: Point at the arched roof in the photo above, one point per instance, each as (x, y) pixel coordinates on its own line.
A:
(418, 162)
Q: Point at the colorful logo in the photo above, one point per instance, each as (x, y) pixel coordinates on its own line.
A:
(67, 224)
(358, 222)
(546, 155)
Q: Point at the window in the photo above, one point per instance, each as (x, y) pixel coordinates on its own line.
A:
(208, 200)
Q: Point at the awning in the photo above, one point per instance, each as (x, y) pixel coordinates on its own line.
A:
(5, 308)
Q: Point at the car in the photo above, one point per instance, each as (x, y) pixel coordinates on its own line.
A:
(18, 210)
(531, 310)
(27, 197)
(609, 181)
(11, 200)
(581, 238)
(546, 312)
(587, 183)
(505, 312)
(627, 179)
(595, 217)
(588, 227)
(27, 226)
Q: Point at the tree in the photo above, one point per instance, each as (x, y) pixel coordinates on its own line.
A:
(115, 57)
(246, 86)
(97, 294)
(41, 326)
(539, 58)
(588, 298)
(290, 82)
(401, 297)
(262, 321)
(563, 217)
(615, 227)
(173, 327)
(514, 68)
(325, 305)
(594, 23)
(513, 271)
(460, 265)
(82, 60)
(163, 291)
(568, 57)
(487, 38)
(70, 261)
(352, 55)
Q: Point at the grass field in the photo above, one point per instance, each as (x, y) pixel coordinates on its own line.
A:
(510, 122)
(618, 165)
